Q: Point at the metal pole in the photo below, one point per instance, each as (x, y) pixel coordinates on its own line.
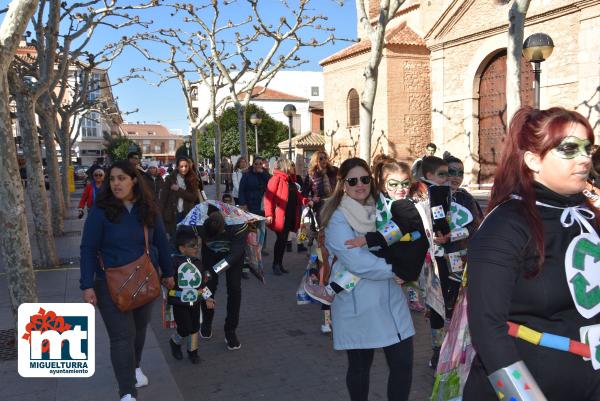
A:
(256, 137)
(537, 73)
(290, 138)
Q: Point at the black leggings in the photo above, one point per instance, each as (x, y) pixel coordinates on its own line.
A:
(399, 358)
(187, 318)
(279, 249)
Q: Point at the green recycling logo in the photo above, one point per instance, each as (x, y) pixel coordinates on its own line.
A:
(189, 295)
(583, 273)
(460, 216)
(188, 275)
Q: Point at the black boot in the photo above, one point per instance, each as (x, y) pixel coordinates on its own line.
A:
(175, 350)
(194, 358)
(277, 270)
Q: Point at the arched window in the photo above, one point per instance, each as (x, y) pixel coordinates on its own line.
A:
(353, 105)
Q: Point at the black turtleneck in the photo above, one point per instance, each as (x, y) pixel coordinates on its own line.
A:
(500, 254)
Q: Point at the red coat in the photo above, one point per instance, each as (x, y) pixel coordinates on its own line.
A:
(276, 198)
(87, 198)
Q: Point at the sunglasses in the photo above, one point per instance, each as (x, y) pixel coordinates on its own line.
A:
(571, 147)
(455, 173)
(365, 179)
(395, 185)
(322, 158)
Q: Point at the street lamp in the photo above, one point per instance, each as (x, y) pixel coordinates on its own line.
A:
(289, 110)
(255, 120)
(187, 149)
(536, 49)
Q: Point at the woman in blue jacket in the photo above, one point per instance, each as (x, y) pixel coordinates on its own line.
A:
(375, 313)
(115, 230)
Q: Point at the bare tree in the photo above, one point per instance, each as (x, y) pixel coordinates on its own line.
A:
(376, 32)
(207, 53)
(15, 250)
(516, 26)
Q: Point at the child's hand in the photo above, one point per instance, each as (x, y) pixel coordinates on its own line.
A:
(210, 303)
(168, 282)
(398, 280)
(441, 239)
(356, 242)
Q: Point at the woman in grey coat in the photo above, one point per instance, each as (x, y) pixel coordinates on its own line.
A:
(374, 314)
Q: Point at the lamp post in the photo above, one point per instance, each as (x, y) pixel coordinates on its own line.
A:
(255, 120)
(289, 110)
(536, 49)
(187, 149)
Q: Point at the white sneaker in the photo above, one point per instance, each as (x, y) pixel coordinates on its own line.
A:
(325, 328)
(140, 378)
(127, 397)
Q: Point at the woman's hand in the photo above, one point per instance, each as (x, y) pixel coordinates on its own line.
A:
(174, 187)
(356, 242)
(89, 296)
(168, 282)
(211, 303)
(398, 280)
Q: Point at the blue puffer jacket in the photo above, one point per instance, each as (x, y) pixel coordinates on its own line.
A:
(252, 189)
(375, 313)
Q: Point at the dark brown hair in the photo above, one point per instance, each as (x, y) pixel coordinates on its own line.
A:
(114, 207)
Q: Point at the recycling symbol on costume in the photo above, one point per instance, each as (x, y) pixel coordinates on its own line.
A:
(590, 335)
(582, 267)
(188, 275)
(460, 216)
(189, 295)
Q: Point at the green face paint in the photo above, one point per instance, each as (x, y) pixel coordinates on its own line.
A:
(394, 185)
(571, 147)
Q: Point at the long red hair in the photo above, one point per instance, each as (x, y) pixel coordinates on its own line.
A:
(536, 131)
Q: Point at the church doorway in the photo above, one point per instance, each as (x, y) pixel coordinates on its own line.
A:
(492, 111)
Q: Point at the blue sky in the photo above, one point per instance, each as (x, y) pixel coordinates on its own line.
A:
(166, 104)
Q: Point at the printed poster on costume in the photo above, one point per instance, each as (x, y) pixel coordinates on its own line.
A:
(582, 268)
(460, 216)
(591, 335)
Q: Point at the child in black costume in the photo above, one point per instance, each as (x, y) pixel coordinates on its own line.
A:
(190, 289)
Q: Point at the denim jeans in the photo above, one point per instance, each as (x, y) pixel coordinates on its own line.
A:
(127, 334)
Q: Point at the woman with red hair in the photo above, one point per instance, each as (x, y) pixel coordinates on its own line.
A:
(533, 279)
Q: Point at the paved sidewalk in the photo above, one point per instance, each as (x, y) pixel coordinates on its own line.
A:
(62, 285)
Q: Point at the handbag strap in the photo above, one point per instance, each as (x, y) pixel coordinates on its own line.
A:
(146, 247)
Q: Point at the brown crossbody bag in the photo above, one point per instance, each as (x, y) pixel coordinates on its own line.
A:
(134, 284)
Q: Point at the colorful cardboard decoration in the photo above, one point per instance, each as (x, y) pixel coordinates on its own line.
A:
(188, 275)
(345, 279)
(590, 335)
(455, 261)
(460, 216)
(438, 212)
(232, 215)
(582, 269)
(189, 295)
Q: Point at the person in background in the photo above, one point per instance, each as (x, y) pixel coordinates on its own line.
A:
(252, 189)
(134, 159)
(375, 314)
(154, 180)
(179, 194)
(530, 264)
(114, 229)
(91, 190)
(226, 171)
(238, 171)
(283, 202)
(88, 173)
(416, 168)
(226, 198)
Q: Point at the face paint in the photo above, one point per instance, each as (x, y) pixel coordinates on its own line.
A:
(393, 185)
(571, 147)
